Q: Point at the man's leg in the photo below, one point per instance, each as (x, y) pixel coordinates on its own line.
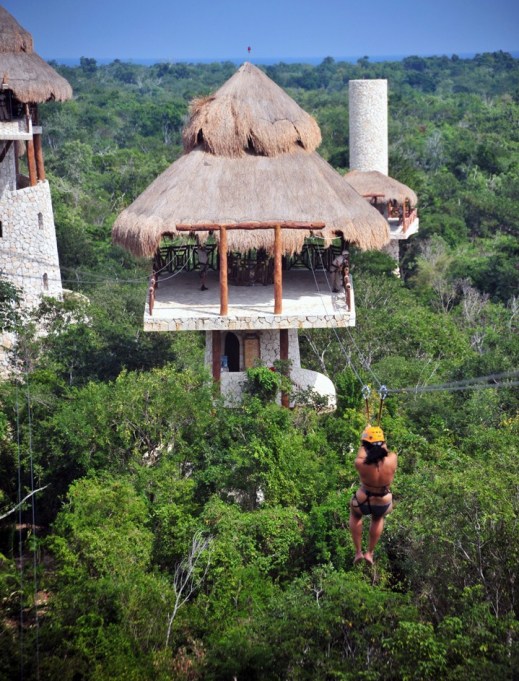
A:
(335, 281)
(375, 530)
(356, 534)
(203, 276)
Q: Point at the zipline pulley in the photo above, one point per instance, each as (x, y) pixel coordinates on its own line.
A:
(383, 391)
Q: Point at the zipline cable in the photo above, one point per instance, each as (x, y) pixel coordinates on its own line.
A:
(363, 360)
(366, 390)
(103, 280)
(491, 381)
(477, 383)
(343, 350)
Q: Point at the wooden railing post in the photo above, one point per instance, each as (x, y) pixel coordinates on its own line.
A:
(278, 275)
(224, 283)
(347, 290)
(151, 292)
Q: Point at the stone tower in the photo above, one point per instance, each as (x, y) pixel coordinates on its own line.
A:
(28, 250)
(274, 220)
(368, 125)
(369, 161)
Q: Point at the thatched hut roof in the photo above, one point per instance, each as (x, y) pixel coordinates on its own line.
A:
(250, 162)
(250, 113)
(374, 182)
(25, 73)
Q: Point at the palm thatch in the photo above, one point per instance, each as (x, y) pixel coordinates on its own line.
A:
(201, 189)
(373, 182)
(250, 113)
(30, 78)
(250, 163)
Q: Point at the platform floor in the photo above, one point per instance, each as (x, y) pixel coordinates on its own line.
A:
(308, 302)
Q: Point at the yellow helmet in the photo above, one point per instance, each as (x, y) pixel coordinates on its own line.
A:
(373, 434)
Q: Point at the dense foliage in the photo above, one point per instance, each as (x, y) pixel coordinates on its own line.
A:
(177, 539)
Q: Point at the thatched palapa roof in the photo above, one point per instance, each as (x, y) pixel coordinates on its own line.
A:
(30, 78)
(250, 113)
(250, 163)
(374, 182)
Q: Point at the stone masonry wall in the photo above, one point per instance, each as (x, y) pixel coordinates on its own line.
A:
(28, 248)
(368, 125)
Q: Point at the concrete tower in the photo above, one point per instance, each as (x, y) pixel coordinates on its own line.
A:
(28, 250)
(369, 162)
(368, 125)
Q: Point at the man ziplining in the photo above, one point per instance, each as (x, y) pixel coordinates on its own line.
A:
(376, 466)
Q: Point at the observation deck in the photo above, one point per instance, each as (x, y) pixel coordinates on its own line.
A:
(308, 302)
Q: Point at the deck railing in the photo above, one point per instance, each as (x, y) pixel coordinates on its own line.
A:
(174, 258)
(254, 267)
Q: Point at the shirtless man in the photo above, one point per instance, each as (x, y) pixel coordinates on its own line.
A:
(203, 259)
(376, 467)
(338, 266)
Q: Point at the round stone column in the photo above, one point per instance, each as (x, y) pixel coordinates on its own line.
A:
(368, 125)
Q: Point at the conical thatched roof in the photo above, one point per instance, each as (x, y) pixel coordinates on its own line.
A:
(250, 162)
(250, 113)
(29, 77)
(374, 182)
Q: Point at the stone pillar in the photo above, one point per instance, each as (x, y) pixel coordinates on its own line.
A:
(368, 125)
(393, 250)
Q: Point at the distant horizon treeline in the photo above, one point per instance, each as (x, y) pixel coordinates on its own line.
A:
(269, 61)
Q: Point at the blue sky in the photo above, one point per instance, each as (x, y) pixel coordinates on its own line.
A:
(218, 29)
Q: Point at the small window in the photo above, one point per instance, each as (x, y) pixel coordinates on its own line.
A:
(40, 220)
(45, 282)
(1, 229)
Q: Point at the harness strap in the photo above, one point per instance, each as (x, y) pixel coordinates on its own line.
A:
(366, 392)
(368, 493)
(359, 504)
(383, 395)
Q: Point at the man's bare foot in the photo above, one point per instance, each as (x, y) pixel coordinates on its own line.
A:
(368, 557)
(358, 558)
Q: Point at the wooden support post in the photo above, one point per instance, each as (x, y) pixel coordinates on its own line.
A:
(224, 284)
(217, 355)
(283, 344)
(283, 356)
(31, 163)
(40, 168)
(31, 160)
(278, 278)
